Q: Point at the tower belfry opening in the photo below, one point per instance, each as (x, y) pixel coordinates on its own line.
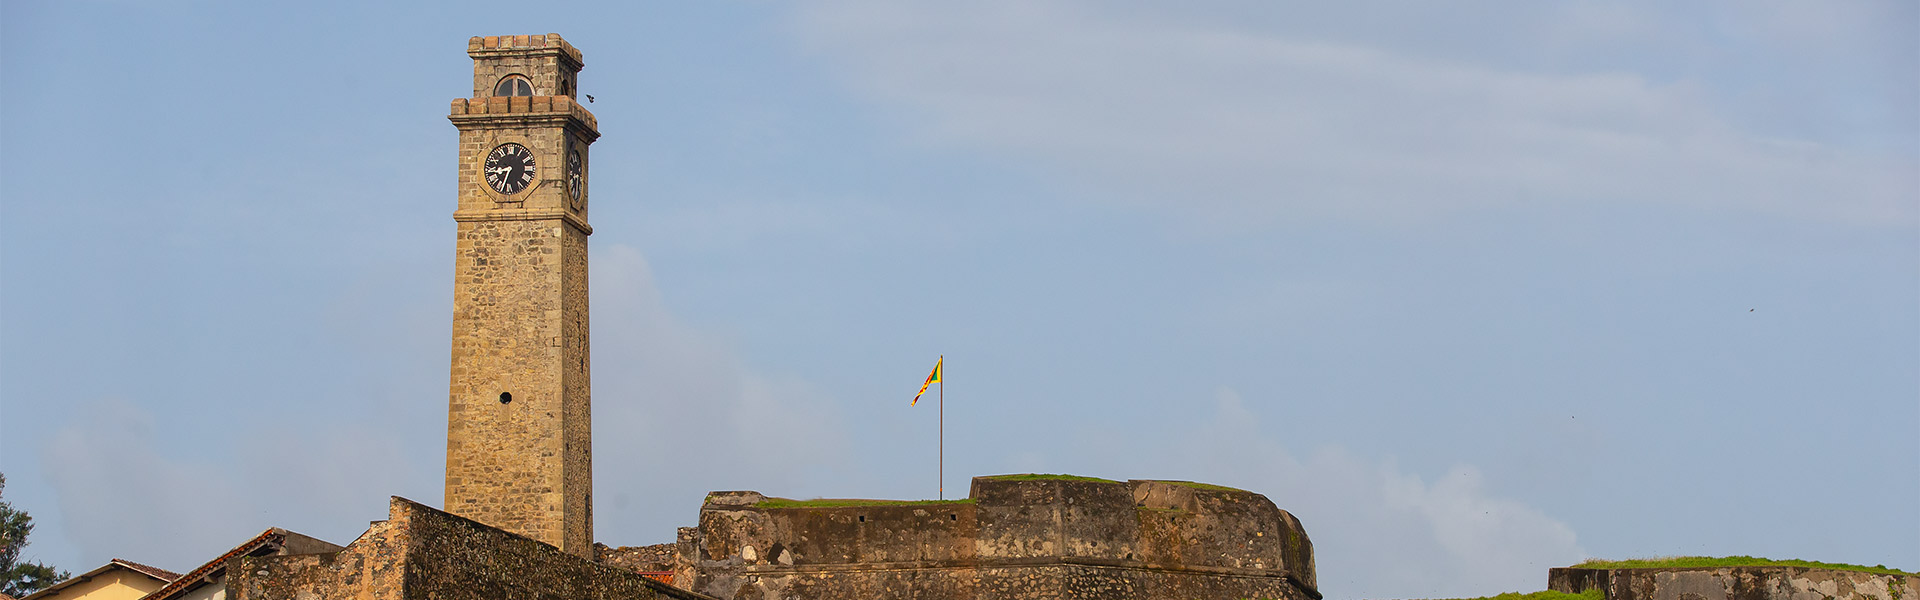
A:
(513, 85)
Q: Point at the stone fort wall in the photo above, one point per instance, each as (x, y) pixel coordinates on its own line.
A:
(419, 553)
(1066, 538)
(1734, 583)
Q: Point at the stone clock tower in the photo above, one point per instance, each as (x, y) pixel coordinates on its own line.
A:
(519, 453)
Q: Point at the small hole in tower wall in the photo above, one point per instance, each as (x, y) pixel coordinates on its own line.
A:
(505, 397)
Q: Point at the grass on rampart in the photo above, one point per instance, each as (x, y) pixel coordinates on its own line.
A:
(1689, 562)
(1546, 595)
(846, 502)
(1047, 477)
(1203, 486)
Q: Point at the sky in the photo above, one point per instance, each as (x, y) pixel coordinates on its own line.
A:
(1473, 289)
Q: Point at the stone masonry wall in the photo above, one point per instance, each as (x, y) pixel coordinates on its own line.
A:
(420, 553)
(522, 462)
(655, 558)
(519, 329)
(1735, 583)
(547, 61)
(576, 393)
(371, 568)
(1012, 540)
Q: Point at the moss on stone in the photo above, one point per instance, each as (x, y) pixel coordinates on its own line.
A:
(846, 502)
(1688, 562)
(1047, 477)
(1546, 595)
(1202, 486)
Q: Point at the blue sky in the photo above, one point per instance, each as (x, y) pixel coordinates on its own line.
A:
(1472, 289)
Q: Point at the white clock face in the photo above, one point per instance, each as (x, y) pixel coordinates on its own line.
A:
(509, 168)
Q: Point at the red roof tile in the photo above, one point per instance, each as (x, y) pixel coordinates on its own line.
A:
(182, 583)
(150, 571)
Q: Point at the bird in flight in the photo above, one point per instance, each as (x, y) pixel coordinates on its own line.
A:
(589, 98)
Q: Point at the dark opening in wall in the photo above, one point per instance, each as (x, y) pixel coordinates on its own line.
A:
(505, 397)
(513, 85)
(863, 518)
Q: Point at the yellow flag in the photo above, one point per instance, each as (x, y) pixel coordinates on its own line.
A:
(932, 378)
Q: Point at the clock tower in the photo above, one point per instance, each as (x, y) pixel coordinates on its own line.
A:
(519, 453)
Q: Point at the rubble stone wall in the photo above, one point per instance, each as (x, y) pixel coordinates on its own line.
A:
(1013, 539)
(654, 558)
(1735, 583)
(420, 553)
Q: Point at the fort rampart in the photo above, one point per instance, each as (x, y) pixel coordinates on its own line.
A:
(1015, 537)
(1734, 583)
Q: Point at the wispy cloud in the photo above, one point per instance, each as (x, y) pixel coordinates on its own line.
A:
(679, 414)
(1378, 530)
(1229, 123)
(120, 498)
(126, 491)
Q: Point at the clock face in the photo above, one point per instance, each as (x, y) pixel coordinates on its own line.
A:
(575, 175)
(509, 168)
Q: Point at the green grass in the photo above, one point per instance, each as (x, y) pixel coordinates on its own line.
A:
(1686, 562)
(846, 502)
(1548, 595)
(1047, 477)
(1203, 486)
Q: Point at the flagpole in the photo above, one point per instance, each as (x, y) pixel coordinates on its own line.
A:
(943, 427)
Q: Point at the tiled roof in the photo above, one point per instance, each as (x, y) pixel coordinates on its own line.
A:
(150, 571)
(162, 575)
(185, 582)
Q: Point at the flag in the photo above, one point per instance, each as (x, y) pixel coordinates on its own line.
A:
(932, 378)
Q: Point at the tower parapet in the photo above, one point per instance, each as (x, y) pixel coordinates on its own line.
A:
(549, 64)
